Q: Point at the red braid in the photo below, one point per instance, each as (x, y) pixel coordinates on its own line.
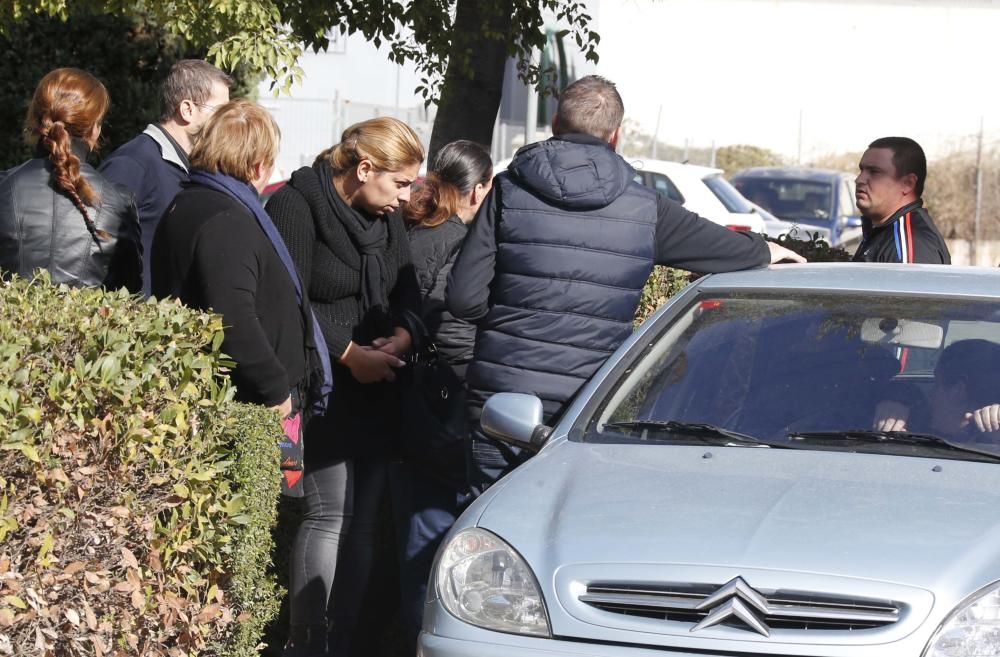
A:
(67, 104)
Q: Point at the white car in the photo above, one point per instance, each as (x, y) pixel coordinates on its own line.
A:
(700, 189)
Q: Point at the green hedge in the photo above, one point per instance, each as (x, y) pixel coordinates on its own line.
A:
(136, 498)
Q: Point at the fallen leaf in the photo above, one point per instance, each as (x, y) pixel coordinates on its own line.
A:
(74, 567)
(128, 559)
(208, 613)
(126, 587)
(154, 561)
(6, 617)
(73, 617)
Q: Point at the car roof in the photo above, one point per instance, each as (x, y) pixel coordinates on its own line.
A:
(668, 167)
(796, 173)
(930, 280)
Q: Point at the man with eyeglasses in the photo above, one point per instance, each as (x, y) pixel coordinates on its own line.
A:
(154, 164)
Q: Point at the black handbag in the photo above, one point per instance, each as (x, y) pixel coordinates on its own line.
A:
(435, 425)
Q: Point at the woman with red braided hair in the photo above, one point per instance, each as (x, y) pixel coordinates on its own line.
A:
(56, 211)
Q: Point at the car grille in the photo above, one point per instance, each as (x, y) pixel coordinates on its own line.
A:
(785, 609)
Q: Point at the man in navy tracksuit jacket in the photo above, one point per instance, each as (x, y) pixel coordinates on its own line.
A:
(553, 266)
(897, 228)
(154, 164)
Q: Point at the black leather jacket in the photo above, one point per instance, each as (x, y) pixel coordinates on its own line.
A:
(40, 228)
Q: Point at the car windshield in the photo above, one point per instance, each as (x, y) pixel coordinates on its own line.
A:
(815, 371)
(728, 195)
(789, 198)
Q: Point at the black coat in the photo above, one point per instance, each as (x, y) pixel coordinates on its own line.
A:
(362, 419)
(210, 252)
(555, 262)
(908, 236)
(40, 228)
(434, 251)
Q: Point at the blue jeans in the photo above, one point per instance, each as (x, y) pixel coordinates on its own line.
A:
(488, 460)
(424, 509)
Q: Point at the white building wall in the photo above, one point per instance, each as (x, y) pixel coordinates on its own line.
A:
(351, 82)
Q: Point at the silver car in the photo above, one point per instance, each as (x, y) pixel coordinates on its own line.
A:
(720, 488)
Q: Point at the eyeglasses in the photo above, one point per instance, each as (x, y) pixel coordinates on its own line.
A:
(210, 108)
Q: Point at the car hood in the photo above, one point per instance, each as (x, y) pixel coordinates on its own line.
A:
(914, 521)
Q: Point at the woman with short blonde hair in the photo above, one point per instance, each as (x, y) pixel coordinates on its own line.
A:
(234, 141)
(217, 249)
(340, 218)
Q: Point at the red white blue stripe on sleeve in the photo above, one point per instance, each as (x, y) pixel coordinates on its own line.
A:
(903, 232)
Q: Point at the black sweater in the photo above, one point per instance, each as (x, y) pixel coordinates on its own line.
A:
(209, 252)
(361, 419)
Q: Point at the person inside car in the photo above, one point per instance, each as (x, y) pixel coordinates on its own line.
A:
(963, 400)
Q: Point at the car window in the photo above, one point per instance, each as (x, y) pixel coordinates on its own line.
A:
(727, 194)
(847, 207)
(662, 184)
(790, 199)
(769, 366)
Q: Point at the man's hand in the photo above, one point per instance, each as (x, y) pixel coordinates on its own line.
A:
(397, 345)
(369, 365)
(781, 254)
(284, 408)
(986, 419)
(890, 416)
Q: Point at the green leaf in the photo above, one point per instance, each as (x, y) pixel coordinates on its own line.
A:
(46, 547)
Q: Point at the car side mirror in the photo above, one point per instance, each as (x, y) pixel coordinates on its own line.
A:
(852, 221)
(515, 419)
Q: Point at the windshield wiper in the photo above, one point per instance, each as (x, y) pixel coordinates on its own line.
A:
(885, 437)
(709, 433)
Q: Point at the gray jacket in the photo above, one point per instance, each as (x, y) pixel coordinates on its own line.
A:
(40, 228)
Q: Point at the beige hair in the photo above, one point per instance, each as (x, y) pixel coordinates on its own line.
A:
(388, 143)
(590, 106)
(235, 139)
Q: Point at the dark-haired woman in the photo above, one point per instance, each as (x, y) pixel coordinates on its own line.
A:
(429, 490)
(56, 211)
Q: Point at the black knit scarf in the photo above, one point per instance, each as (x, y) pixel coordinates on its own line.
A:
(370, 235)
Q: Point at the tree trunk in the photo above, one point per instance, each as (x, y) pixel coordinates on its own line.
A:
(473, 82)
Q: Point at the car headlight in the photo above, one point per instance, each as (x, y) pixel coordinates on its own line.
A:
(972, 630)
(484, 582)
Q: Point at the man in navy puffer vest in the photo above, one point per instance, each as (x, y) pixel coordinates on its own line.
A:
(553, 266)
